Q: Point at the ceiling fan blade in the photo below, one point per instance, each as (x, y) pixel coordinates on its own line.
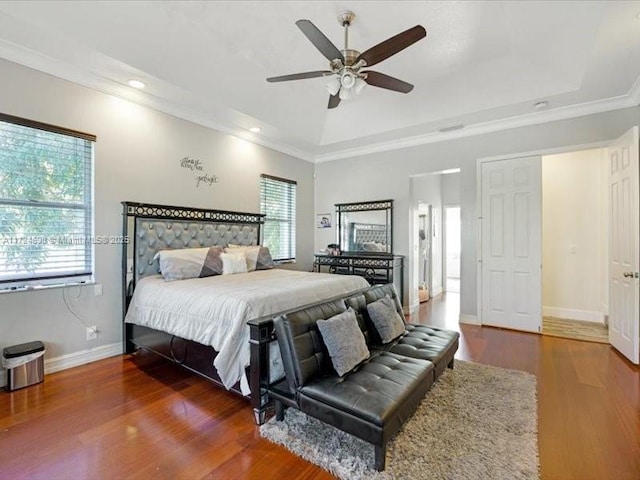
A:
(319, 40)
(334, 101)
(381, 80)
(300, 76)
(392, 45)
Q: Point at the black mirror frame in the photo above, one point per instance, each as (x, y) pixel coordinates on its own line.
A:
(375, 205)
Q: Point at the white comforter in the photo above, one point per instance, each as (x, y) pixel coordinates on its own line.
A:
(214, 310)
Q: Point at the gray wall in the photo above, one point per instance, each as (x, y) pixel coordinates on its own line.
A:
(450, 189)
(386, 175)
(136, 158)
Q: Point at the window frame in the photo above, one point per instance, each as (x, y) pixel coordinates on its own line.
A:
(82, 272)
(291, 201)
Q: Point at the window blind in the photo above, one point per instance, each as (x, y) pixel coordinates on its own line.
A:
(46, 221)
(278, 203)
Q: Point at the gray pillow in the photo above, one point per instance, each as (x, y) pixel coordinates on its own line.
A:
(386, 319)
(344, 341)
(183, 263)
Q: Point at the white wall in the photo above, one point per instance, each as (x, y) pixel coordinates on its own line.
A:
(137, 157)
(450, 187)
(574, 235)
(386, 175)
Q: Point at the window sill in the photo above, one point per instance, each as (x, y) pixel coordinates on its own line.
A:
(35, 288)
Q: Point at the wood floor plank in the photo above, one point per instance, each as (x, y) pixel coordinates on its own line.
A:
(138, 417)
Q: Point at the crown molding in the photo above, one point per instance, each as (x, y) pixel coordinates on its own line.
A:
(44, 63)
(57, 68)
(536, 118)
(634, 93)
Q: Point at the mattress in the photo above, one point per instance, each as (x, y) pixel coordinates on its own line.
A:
(215, 310)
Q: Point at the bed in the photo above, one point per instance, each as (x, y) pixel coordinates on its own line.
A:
(219, 327)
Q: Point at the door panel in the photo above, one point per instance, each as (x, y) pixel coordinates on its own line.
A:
(624, 320)
(511, 243)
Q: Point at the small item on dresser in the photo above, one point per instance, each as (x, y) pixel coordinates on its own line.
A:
(333, 249)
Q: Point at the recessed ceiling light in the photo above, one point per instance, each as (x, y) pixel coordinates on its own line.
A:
(136, 84)
(255, 129)
(541, 105)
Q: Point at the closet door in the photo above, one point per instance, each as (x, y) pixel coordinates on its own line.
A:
(511, 243)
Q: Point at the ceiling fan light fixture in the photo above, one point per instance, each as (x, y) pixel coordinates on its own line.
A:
(345, 93)
(360, 84)
(348, 79)
(334, 85)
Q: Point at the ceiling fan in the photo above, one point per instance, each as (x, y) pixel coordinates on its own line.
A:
(346, 74)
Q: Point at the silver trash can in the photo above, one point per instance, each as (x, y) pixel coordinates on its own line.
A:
(24, 364)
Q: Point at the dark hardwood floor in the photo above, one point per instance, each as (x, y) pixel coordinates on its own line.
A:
(139, 417)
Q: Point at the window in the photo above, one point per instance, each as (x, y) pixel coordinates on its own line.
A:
(46, 221)
(278, 203)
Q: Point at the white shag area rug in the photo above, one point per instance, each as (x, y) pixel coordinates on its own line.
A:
(476, 422)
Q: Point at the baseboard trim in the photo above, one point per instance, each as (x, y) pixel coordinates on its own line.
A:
(437, 291)
(75, 359)
(412, 309)
(573, 314)
(469, 319)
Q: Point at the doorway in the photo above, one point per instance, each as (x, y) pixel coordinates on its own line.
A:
(452, 248)
(430, 193)
(510, 233)
(425, 286)
(575, 244)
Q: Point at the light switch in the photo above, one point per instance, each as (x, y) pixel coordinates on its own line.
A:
(572, 248)
(97, 289)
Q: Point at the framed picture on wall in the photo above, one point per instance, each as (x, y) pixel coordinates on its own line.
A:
(323, 220)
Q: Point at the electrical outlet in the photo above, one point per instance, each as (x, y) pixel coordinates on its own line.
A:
(92, 332)
(97, 289)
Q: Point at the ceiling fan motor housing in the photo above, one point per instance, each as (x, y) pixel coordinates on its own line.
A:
(350, 56)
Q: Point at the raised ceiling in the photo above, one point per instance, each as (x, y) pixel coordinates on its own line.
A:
(483, 64)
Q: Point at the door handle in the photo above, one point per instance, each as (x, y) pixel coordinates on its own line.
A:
(630, 274)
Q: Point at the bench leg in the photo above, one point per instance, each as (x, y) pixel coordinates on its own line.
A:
(279, 411)
(451, 364)
(380, 457)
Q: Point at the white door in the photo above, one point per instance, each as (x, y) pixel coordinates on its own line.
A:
(511, 243)
(624, 321)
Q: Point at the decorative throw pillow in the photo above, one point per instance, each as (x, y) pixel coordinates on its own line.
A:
(386, 319)
(258, 258)
(344, 341)
(212, 262)
(186, 263)
(233, 263)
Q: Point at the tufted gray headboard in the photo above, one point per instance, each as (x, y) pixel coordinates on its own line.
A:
(361, 233)
(151, 228)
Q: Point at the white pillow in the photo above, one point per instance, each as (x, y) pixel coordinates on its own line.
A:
(233, 263)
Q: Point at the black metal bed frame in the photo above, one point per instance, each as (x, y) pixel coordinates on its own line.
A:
(193, 356)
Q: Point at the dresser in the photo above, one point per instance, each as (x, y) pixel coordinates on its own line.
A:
(376, 268)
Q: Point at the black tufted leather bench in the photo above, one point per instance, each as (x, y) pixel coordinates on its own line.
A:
(419, 341)
(370, 402)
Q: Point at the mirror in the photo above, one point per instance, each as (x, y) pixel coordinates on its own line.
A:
(365, 227)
